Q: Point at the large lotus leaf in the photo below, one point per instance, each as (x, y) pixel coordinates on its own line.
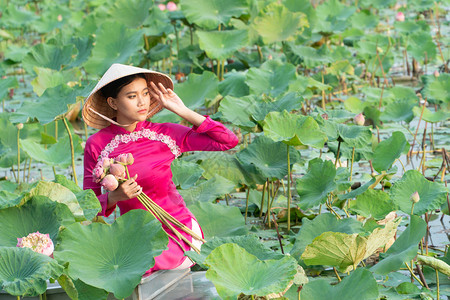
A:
(84, 46)
(112, 257)
(234, 271)
(54, 155)
(278, 23)
(375, 203)
(315, 185)
(346, 251)
(209, 14)
(360, 284)
(294, 129)
(8, 199)
(332, 17)
(324, 222)
(88, 292)
(250, 243)
(432, 194)
(222, 164)
(115, 43)
(15, 53)
(364, 20)
(387, 151)
(269, 157)
(438, 116)
(438, 89)
(48, 56)
(132, 13)
(271, 78)
(400, 110)
(312, 57)
(234, 84)
(57, 101)
(185, 173)
(7, 84)
(48, 78)
(24, 272)
(238, 110)
(198, 88)
(221, 45)
(404, 248)
(38, 214)
(289, 102)
(86, 198)
(421, 46)
(218, 220)
(208, 191)
(17, 16)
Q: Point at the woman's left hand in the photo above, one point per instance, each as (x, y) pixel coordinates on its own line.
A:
(167, 98)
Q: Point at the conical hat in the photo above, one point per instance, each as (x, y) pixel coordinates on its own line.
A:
(96, 108)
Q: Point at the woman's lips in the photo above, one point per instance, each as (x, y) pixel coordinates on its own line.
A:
(142, 111)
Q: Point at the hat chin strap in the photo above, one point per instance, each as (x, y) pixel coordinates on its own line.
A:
(107, 119)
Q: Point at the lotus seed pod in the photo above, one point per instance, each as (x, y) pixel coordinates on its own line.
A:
(117, 170)
(110, 182)
(359, 119)
(400, 17)
(19, 126)
(415, 197)
(38, 242)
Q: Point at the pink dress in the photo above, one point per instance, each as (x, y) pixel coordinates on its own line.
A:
(154, 146)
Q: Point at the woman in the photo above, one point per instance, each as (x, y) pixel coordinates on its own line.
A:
(124, 98)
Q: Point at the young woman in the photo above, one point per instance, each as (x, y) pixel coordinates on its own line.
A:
(120, 104)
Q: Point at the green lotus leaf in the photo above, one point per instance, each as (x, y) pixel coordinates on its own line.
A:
(48, 20)
(84, 46)
(360, 284)
(54, 155)
(387, 151)
(346, 251)
(400, 110)
(234, 85)
(57, 101)
(125, 12)
(48, 78)
(37, 214)
(208, 191)
(221, 45)
(87, 199)
(271, 78)
(438, 89)
(7, 84)
(234, 271)
(238, 110)
(185, 173)
(404, 248)
(293, 129)
(269, 157)
(17, 16)
(357, 191)
(432, 194)
(88, 292)
(289, 102)
(218, 220)
(310, 56)
(209, 14)
(24, 272)
(8, 199)
(332, 17)
(112, 257)
(48, 56)
(278, 23)
(315, 185)
(222, 164)
(250, 243)
(364, 20)
(372, 203)
(115, 42)
(197, 89)
(324, 222)
(159, 52)
(438, 116)
(354, 105)
(421, 46)
(16, 54)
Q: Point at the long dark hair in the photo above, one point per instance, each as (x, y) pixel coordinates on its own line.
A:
(113, 88)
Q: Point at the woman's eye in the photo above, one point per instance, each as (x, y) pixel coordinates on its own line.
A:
(132, 96)
(146, 93)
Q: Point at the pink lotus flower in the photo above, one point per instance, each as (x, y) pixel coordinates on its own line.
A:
(106, 162)
(130, 159)
(122, 158)
(171, 6)
(162, 7)
(117, 170)
(400, 17)
(38, 242)
(110, 182)
(415, 197)
(359, 119)
(436, 73)
(99, 173)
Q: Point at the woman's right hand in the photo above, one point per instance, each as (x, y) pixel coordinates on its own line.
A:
(126, 190)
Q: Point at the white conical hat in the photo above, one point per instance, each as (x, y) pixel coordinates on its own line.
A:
(96, 111)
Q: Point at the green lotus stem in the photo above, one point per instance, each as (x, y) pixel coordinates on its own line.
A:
(417, 129)
(403, 166)
(262, 199)
(29, 170)
(246, 204)
(218, 69)
(437, 283)
(223, 70)
(337, 275)
(253, 297)
(323, 93)
(351, 165)
(333, 211)
(85, 125)
(412, 208)
(72, 150)
(337, 154)
(378, 179)
(412, 274)
(18, 155)
(18, 297)
(56, 130)
(289, 189)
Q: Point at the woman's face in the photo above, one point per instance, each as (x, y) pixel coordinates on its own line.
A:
(132, 102)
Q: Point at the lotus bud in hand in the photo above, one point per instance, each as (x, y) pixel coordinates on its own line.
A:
(38, 242)
(415, 197)
(359, 119)
(106, 162)
(117, 170)
(110, 182)
(130, 159)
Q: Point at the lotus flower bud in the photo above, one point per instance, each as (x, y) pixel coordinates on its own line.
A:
(117, 170)
(99, 173)
(359, 119)
(324, 116)
(122, 158)
(130, 159)
(415, 197)
(106, 162)
(60, 18)
(162, 7)
(400, 17)
(110, 182)
(171, 6)
(19, 126)
(38, 242)
(436, 73)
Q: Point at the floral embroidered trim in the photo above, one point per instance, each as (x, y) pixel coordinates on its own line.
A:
(134, 136)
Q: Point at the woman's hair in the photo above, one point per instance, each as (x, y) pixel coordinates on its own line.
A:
(113, 88)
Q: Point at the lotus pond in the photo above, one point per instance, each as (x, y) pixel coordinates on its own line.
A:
(337, 189)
